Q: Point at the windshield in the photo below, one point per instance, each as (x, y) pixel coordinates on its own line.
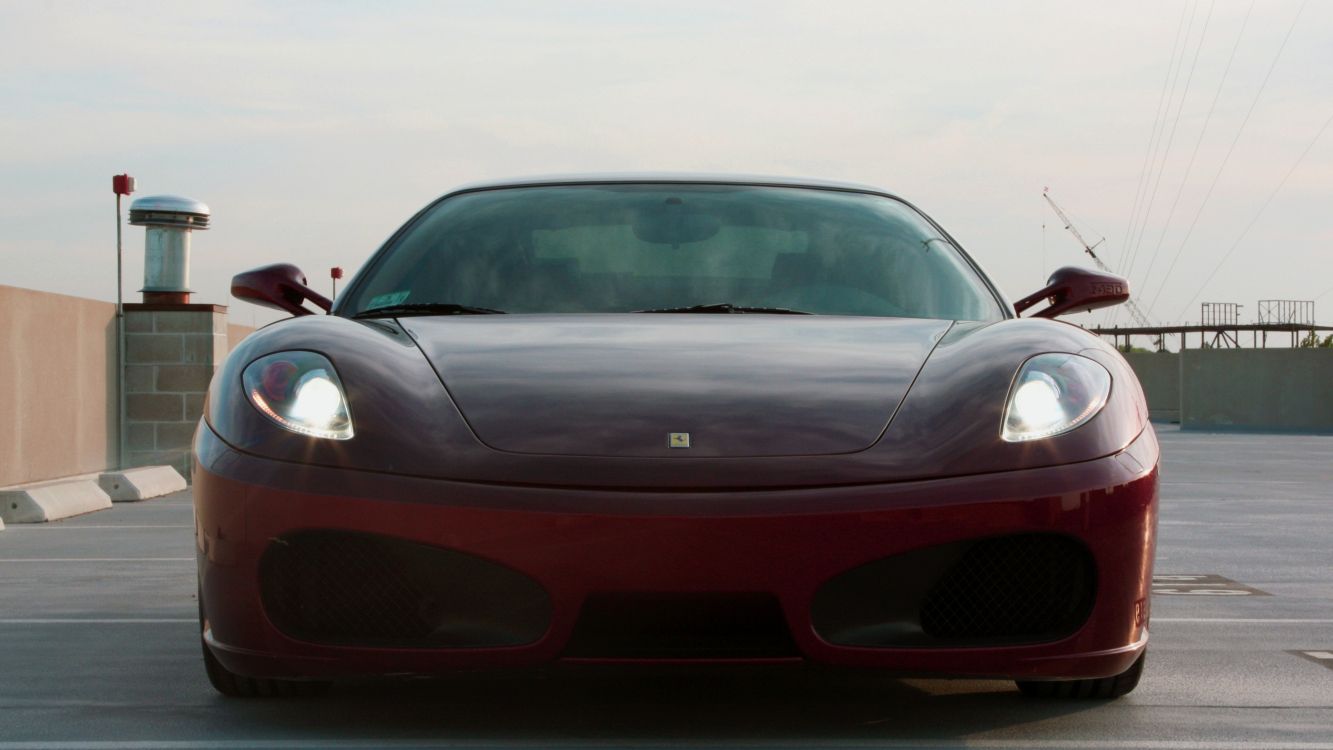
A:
(630, 248)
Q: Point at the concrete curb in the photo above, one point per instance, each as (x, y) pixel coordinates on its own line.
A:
(51, 501)
(132, 485)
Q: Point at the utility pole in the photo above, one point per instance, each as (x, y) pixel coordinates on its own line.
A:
(121, 184)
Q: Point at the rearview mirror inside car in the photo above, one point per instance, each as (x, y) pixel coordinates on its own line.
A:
(674, 223)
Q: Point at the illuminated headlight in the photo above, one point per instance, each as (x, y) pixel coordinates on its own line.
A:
(300, 391)
(1053, 394)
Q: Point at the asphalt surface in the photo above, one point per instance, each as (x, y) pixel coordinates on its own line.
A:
(99, 648)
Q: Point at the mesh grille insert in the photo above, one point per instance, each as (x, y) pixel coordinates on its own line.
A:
(350, 588)
(1026, 587)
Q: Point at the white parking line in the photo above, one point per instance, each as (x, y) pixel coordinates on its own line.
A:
(56, 526)
(1246, 620)
(93, 559)
(1230, 482)
(92, 620)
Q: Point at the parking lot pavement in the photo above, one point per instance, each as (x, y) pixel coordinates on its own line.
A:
(99, 649)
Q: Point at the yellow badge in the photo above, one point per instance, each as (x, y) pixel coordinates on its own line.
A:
(678, 440)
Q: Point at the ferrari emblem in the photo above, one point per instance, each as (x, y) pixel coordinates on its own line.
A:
(678, 440)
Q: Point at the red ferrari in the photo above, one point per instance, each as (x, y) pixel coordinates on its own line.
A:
(684, 419)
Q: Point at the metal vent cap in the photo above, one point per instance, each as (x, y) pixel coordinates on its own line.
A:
(169, 211)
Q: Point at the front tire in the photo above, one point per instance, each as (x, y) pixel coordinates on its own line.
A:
(234, 685)
(1101, 688)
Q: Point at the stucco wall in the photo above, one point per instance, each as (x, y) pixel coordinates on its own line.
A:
(57, 385)
(1159, 373)
(235, 333)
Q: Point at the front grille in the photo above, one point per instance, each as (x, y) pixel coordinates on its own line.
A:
(1029, 586)
(681, 626)
(351, 588)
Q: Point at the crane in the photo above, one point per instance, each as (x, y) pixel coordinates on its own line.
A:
(1134, 311)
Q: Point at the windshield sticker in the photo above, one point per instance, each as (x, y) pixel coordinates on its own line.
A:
(384, 300)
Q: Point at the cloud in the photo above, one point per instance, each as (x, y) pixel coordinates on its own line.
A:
(313, 129)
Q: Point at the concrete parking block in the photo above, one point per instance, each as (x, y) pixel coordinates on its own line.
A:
(51, 501)
(140, 483)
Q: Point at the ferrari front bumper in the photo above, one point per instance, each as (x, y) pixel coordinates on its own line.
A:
(579, 546)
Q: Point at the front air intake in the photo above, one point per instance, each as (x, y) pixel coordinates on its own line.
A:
(1022, 588)
(351, 588)
(1030, 587)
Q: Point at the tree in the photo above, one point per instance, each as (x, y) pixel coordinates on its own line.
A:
(1313, 341)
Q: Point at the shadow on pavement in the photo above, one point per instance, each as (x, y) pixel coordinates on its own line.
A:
(738, 704)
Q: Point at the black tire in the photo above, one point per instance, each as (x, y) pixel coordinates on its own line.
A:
(234, 685)
(1102, 688)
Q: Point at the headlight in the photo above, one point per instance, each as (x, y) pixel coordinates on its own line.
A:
(301, 392)
(1053, 394)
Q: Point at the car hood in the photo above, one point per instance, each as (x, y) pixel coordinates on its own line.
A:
(619, 385)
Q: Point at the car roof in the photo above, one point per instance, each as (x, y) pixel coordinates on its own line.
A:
(604, 178)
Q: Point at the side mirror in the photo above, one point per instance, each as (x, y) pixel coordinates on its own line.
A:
(280, 285)
(1072, 289)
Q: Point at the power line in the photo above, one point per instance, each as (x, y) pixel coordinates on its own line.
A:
(1227, 158)
(1166, 153)
(1189, 166)
(1126, 264)
(1208, 119)
(1150, 155)
(1262, 208)
(1158, 121)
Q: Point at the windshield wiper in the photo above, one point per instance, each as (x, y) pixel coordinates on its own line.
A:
(726, 308)
(425, 308)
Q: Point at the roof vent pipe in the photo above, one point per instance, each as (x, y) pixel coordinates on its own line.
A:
(169, 220)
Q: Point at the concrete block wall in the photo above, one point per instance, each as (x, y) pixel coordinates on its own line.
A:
(1268, 390)
(1159, 374)
(1263, 390)
(171, 353)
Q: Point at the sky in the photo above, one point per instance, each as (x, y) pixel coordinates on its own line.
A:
(1192, 135)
